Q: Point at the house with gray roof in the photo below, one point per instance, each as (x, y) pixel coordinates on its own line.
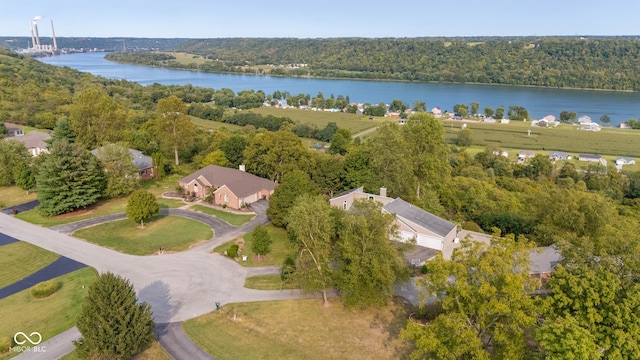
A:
(35, 142)
(559, 155)
(143, 162)
(542, 263)
(234, 188)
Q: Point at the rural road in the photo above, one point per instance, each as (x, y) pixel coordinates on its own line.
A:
(178, 286)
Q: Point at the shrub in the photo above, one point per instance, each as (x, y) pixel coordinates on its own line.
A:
(207, 198)
(5, 343)
(288, 269)
(471, 226)
(423, 269)
(44, 289)
(232, 252)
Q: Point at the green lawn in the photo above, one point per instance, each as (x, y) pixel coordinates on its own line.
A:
(153, 352)
(171, 233)
(300, 329)
(609, 141)
(13, 195)
(353, 122)
(213, 125)
(21, 259)
(266, 282)
(231, 218)
(280, 248)
(49, 316)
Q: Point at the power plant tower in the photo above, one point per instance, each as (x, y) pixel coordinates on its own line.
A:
(35, 31)
(53, 37)
(36, 46)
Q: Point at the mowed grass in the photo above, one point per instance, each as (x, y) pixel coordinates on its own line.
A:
(49, 316)
(13, 195)
(154, 352)
(280, 248)
(609, 141)
(213, 125)
(171, 233)
(21, 259)
(301, 329)
(231, 218)
(355, 123)
(267, 282)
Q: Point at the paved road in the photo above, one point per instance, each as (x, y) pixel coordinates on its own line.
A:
(178, 344)
(5, 240)
(54, 348)
(22, 207)
(62, 265)
(178, 286)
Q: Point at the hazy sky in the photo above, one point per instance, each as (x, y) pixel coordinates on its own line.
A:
(329, 18)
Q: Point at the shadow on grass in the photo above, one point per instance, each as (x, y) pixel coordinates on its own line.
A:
(393, 325)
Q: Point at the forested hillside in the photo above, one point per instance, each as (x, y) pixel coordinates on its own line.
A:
(598, 63)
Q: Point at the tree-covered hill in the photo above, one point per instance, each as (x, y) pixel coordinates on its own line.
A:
(593, 62)
(109, 44)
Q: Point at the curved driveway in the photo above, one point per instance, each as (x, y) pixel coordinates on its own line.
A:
(178, 286)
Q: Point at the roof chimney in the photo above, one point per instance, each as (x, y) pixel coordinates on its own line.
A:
(383, 191)
(241, 167)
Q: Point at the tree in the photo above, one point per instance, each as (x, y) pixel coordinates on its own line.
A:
(475, 107)
(13, 155)
(24, 177)
(488, 111)
(273, 154)
(158, 165)
(142, 205)
(518, 113)
(392, 169)
(112, 323)
(233, 147)
(174, 125)
(62, 132)
(368, 262)
(605, 119)
(565, 116)
(326, 134)
(216, 157)
(485, 295)
(461, 109)
(68, 178)
(564, 338)
(340, 141)
(294, 184)
(465, 137)
(419, 106)
(119, 170)
(95, 119)
(311, 228)
(261, 244)
(3, 130)
(499, 112)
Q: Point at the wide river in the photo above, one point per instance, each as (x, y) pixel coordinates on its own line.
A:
(620, 106)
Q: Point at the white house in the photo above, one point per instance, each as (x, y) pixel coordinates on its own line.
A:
(625, 161)
(584, 120)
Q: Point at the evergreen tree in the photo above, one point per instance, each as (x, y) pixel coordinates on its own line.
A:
(13, 155)
(120, 171)
(112, 323)
(158, 165)
(24, 177)
(261, 244)
(62, 132)
(142, 205)
(68, 178)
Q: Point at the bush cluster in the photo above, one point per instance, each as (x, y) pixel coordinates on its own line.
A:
(45, 288)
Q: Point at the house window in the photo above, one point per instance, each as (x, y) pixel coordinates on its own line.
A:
(226, 198)
(344, 205)
(195, 188)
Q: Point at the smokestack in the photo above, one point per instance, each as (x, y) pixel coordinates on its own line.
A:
(35, 30)
(53, 36)
(33, 38)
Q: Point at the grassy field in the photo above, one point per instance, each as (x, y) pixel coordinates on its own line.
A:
(49, 316)
(266, 282)
(171, 233)
(231, 218)
(609, 141)
(353, 122)
(13, 195)
(300, 329)
(213, 125)
(21, 259)
(153, 352)
(280, 248)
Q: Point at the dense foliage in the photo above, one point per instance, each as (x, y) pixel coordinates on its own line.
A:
(142, 205)
(112, 323)
(593, 62)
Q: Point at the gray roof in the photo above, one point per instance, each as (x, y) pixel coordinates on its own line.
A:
(139, 159)
(241, 183)
(560, 154)
(32, 140)
(348, 192)
(419, 216)
(589, 156)
(543, 260)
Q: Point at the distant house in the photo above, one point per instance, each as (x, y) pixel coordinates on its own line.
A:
(234, 188)
(625, 161)
(13, 130)
(624, 125)
(436, 111)
(559, 155)
(504, 121)
(490, 120)
(589, 157)
(542, 262)
(549, 118)
(584, 120)
(34, 141)
(429, 231)
(501, 152)
(526, 154)
(143, 162)
(540, 123)
(590, 127)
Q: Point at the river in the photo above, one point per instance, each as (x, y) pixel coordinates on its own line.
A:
(620, 106)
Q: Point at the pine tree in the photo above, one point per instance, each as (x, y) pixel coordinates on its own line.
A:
(68, 178)
(112, 323)
(142, 205)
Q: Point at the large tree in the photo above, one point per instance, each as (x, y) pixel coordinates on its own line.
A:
(174, 125)
(13, 156)
(390, 160)
(120, 171)
(311, 228)
(485, 293)
(112, 323)
(261, 241)
(368, 262)
(68, 178)
(142, 205)
(96, 118)
(294, 184)
(273, 154)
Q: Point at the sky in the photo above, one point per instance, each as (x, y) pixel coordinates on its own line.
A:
(320, 19)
